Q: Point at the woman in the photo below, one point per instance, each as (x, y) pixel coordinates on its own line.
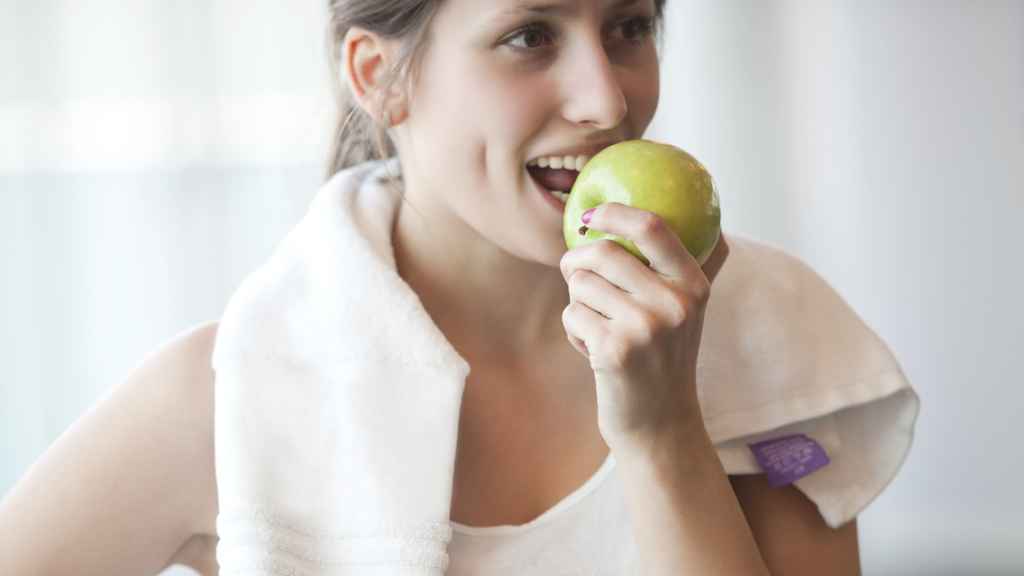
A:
(584, 380)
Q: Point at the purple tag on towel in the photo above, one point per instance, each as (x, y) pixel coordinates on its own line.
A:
(789, 458)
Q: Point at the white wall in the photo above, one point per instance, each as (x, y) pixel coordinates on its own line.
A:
(882, 141)
(151, 154)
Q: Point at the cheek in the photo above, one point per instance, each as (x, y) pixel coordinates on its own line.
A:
(469, 100)
(511, 106)
(642, 90)
(522, 95)
(443, 119)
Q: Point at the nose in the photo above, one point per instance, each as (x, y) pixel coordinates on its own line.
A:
(594, 95)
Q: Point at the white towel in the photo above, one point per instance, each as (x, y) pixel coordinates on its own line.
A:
(337, 397)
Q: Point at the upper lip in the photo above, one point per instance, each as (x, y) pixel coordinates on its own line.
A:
(589, 150)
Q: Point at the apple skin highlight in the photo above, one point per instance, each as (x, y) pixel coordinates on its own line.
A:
(652, 176)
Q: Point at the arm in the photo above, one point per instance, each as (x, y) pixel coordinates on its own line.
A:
(790, 532)
(127, 488)
(685, 517)
(689, 517)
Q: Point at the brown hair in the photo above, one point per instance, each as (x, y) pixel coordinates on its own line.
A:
(357, 137)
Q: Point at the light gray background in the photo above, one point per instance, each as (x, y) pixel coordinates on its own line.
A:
(151, 154)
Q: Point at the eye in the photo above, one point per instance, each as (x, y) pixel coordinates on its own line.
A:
(636, 30)
(530, 37)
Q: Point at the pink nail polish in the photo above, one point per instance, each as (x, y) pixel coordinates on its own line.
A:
(588, 215)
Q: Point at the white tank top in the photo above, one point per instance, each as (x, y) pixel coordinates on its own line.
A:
(587, 533)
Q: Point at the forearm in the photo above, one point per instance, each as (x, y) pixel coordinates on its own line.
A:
(685, 517)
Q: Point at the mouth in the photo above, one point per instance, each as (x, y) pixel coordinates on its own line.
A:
(556, 174)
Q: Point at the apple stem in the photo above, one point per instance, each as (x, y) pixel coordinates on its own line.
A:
(583, 230)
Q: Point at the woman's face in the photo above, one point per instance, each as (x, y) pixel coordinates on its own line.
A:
(506, 82)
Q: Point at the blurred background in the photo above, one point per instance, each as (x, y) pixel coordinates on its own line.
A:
(153, 153)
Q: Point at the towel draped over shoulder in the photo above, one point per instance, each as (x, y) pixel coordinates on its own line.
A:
(337, 397)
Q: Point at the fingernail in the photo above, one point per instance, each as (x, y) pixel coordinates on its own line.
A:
(588, 215)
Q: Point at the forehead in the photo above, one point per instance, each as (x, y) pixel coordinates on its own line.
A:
(563, 7)
(501, 9)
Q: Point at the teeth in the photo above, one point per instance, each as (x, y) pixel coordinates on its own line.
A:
(563, 196)
(561, 162)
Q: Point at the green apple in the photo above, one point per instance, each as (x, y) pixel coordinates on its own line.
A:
(651, 176)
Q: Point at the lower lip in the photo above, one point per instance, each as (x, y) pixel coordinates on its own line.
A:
(549, 198)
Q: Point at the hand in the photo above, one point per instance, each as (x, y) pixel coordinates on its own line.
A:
(639, 326)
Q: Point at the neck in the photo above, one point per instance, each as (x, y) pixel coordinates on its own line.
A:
(491, 305)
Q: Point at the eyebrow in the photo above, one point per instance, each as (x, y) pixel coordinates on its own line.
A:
(558, 8)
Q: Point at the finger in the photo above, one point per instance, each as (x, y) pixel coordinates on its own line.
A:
(611, 261)
(584, 326)
(717, 259)
(652, 236)
(600, 295)
(579, 345)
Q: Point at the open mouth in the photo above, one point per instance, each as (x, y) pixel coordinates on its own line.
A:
(557, 174)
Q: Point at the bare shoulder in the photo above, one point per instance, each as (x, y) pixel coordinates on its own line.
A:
(188, 365)
(180, 381)
(189, 356)
(130, 486)
(790, 532)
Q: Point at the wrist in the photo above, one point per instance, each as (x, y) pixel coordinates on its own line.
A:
(682, 439)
